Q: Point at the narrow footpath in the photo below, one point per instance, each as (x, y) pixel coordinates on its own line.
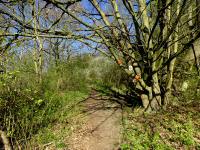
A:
(102, 129)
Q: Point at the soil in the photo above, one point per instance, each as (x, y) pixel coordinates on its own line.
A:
(102, 128)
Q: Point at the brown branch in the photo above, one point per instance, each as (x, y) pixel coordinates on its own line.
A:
(196, 59)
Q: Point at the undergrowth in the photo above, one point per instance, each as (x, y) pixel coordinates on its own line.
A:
(177, 128)
(36, 114)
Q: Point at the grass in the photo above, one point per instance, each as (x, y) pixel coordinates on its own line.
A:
(176, 128)
(57, 132)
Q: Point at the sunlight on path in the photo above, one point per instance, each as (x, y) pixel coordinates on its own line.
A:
(102, 130)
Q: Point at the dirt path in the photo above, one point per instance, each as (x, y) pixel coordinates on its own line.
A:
(102, 129)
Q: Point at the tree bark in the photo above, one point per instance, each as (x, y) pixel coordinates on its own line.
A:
(5, 140)
(171, 65)
(155, 101)
(37, 53)
(198, 13)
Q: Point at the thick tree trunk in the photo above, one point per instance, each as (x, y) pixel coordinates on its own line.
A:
(151, 101)
(154, 96)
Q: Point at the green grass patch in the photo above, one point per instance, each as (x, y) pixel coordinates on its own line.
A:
(177, 128)
(63, 118)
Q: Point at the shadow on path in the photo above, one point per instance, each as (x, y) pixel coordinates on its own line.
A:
(102, 129)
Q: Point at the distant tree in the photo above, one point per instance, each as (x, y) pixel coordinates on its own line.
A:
(32, 23)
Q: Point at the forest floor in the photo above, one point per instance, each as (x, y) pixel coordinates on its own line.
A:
(101, 129)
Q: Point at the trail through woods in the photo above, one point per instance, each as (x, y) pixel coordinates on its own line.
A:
(102, 129)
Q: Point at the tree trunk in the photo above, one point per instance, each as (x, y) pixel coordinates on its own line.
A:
(155, 100)
(5, 140)
(198, 13)
(38, 53)
(169, 80)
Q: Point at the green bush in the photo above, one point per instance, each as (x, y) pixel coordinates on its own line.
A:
(17, 105)
(26, 111)
(103, 71)
(186, 82)
(67, 76)
(27, 107)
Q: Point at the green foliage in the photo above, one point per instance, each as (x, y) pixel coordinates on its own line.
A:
(17, 105)
(102, 72)
(25, 111)
(67, 75)
(27, 106)
(175, 129)
(183, 132)
(30, 109)
(142, 140)
(186, 74)
(62, 117)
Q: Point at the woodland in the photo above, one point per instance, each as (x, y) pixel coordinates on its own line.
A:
(75, 71)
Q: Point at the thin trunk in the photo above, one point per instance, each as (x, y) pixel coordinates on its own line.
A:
(198, 13)
(171, 65)
(190, 10)
(144, 18)
(168, 53)
(35, 59)
(37, 53)
(167, 27)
